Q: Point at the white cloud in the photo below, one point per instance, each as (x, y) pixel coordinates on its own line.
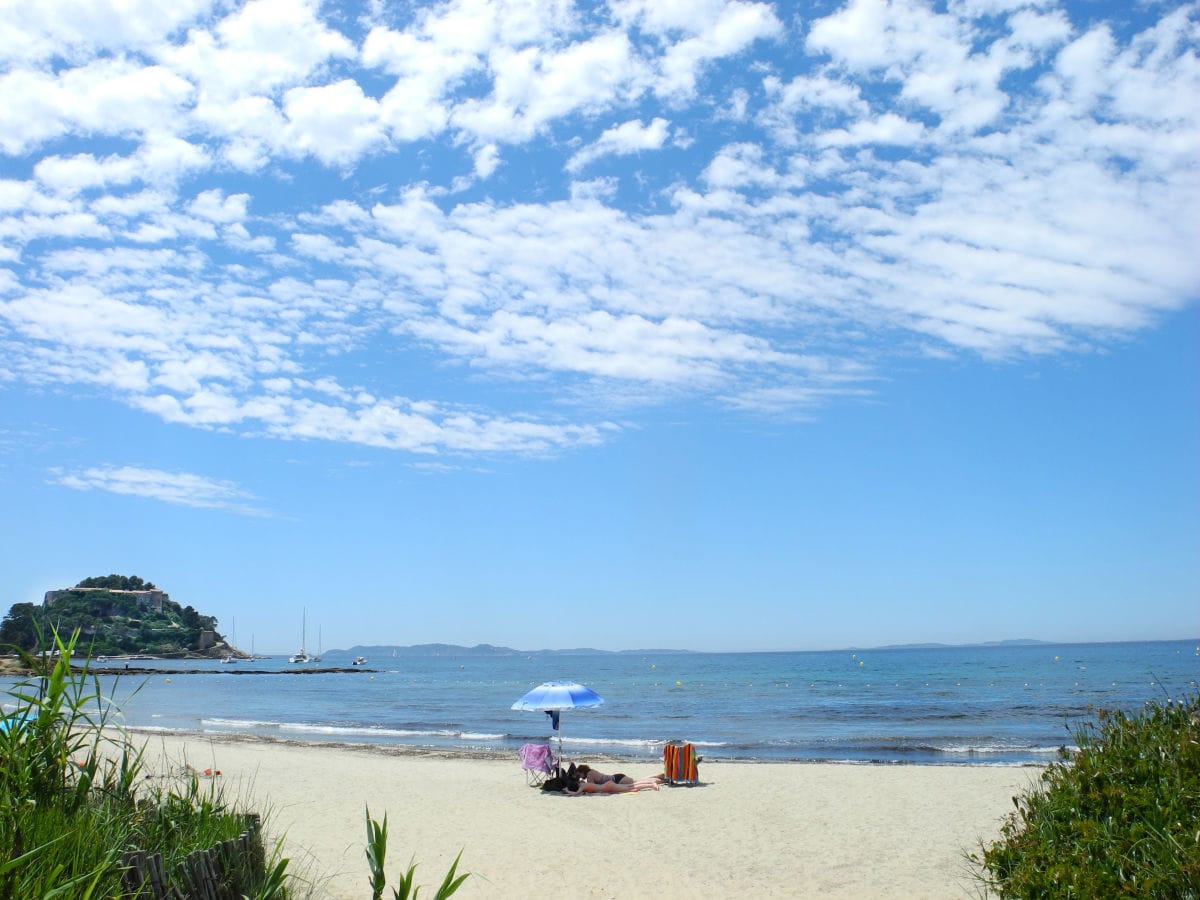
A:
(736, 27)
(534, 86)
(229, 227)
(79, 29)
(337, 123)
(1037, 30)
(807, 103)
(622, 140)
(214, 206)
(887, 129)
(931, 54)
(175, 488)
(16, 195)
(876, 34)
(487, 159)
(691, 17)
(740, 165)
(71, 175)
(114, 97)
(260, 47)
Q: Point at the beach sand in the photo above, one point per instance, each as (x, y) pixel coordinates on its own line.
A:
(749, 830)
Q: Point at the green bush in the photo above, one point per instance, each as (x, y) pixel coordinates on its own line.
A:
(1119, 817)
(73, 798)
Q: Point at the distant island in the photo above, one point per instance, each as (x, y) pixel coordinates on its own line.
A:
(375, 651)
(1013, 642)
(116, 615)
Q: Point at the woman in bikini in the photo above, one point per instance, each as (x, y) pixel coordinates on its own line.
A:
(586, 780)
(612, 787)
(587, 773)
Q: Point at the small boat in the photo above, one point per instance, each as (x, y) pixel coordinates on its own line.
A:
(317, 658)
(359, 661)
(300, 656)
(229, 656)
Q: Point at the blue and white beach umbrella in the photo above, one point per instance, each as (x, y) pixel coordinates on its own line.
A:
(555, 696)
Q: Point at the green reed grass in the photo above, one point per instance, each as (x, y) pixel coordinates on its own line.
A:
(1119, 817)
(406, 889)
(73, 798)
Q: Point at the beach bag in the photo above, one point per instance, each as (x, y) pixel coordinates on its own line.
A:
(680, 763)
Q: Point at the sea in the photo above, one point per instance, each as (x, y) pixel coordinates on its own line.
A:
(1009, 704)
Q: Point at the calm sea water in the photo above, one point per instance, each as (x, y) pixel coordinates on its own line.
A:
(966, 705)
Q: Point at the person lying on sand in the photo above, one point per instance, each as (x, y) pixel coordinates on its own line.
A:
(612, 787)
(587, 773)
(577, 785)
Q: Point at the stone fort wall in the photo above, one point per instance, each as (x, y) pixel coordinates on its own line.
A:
(149, 599)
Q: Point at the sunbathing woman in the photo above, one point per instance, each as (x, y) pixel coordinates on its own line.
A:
(573, 784)
(611, 787)
(587, 773)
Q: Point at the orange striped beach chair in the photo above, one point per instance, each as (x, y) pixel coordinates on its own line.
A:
(680, 763)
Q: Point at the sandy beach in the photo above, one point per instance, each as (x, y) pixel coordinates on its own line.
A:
(757, 830)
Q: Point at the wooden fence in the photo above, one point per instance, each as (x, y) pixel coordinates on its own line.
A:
(230, 870)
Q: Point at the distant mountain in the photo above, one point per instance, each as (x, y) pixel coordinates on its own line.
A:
(374, 652)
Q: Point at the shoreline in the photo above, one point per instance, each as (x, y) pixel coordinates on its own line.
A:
(143, 670)
(763, 829)
(140, 733)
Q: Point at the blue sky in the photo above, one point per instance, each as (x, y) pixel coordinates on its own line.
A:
(700, 324)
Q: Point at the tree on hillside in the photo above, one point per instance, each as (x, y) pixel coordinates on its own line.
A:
(19, 628)
(117, 583)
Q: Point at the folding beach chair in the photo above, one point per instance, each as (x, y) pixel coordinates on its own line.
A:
(537, 761)
(680, 763)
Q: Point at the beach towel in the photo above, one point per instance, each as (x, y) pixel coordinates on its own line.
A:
(680, 763)
(537, 761)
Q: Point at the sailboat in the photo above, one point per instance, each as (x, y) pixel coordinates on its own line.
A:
(317, 658)
(229, 657)
(300, 656)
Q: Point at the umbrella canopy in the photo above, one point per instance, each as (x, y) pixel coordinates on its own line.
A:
(555, 696)
(559, 695)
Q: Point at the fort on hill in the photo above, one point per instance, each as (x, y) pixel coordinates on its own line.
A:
(151, 598)
(116, 615)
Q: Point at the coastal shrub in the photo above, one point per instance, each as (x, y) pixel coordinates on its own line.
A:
(1119, 817)
(74, 799)
(377, 839)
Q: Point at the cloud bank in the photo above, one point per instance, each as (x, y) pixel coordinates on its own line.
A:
(498, 227)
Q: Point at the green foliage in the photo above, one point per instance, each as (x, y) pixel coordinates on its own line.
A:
(405, 888)
(73, 799)
(110, 623)
(117, 583)
(377, 854)
(20, 626)
(1119, 818)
